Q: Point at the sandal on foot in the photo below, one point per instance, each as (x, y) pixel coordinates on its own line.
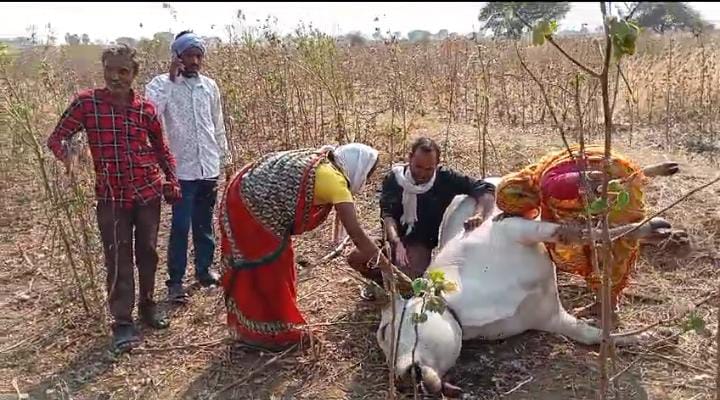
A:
(125, 338)
(153, 318)
(176, 294)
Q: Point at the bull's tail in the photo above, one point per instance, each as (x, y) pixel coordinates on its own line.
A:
(429, 377)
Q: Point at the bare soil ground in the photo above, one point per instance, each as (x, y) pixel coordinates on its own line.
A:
(52, 351)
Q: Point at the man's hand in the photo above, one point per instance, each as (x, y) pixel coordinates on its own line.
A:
(484, 208)
(175, 68)
(474, 222)
(172, 193)
(401, 256)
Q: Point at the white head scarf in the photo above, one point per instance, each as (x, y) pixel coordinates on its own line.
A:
(356, 160)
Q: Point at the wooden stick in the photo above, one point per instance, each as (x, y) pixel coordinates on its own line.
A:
(253, 372)
(183, 347)
(519, 385)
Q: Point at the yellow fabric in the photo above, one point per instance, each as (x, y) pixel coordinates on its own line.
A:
(519, 194)
(331, 186)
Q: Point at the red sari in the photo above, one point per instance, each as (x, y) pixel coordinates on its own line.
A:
(261, 299)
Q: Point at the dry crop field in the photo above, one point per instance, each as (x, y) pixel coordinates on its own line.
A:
(308, 90)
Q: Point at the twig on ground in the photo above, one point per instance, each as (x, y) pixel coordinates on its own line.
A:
(665, 321)
(31, 264)
(672, 360)
(252, 373)
(337, 251)
(14, 346)
(624, 370)
(183, 347)
(518, 386)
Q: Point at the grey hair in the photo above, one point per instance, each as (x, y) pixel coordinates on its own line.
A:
(122, 50)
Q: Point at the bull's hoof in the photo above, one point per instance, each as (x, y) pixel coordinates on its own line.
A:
(451, 391)
(655, 231)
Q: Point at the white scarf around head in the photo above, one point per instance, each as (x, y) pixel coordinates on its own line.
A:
(410, 191)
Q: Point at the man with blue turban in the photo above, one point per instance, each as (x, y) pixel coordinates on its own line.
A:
(190, 109)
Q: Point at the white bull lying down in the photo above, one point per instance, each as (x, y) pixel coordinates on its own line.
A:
(506, 285)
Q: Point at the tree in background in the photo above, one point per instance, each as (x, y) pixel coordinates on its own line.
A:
(85, 39)
(668, 16)
(132, 42)
(72, 40)
(419, 36)
(166, 37)
(499, 16)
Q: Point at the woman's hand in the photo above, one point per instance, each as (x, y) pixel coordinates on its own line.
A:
(367, 250)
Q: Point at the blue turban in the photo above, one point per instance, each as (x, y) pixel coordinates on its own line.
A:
(187, 41)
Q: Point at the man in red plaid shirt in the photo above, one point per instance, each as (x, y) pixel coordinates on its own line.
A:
(128, 150)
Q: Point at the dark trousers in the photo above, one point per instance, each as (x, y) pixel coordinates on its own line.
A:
(118, 227)
(196, 210)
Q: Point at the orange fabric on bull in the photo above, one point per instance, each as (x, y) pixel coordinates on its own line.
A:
(520, 193)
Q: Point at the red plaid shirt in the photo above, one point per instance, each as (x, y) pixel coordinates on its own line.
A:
(127, 146)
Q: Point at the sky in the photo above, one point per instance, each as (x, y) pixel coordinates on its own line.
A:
(108, 21)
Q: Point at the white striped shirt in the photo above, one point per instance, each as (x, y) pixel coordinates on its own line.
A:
(191, 112)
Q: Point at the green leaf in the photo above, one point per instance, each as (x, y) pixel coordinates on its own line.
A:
(623, 199)
(615, 186)
(553, 27)
(419, 318)
(597, 206)
(624, 36)
(420, 286)
(543, 30)
(437, 277)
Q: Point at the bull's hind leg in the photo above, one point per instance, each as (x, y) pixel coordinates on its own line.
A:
(577, 330)
(580, 331)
